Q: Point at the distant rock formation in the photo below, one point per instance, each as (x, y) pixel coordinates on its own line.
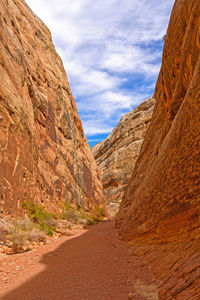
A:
(44, 155)
(117, 155)
(160, 213)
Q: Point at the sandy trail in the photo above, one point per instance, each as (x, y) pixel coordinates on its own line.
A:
(92, 265)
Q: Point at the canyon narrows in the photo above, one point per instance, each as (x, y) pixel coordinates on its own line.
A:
(150, 162)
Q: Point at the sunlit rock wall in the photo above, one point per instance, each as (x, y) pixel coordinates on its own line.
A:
(160, 213)
(44, 155)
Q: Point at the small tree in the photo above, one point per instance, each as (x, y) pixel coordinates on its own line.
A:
(164, 37)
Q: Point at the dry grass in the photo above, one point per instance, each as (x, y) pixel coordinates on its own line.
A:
(21, 233)
(4, 229)
(77, 215)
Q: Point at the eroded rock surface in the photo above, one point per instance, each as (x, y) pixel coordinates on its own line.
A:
(44, 155)
(160, 213)
(117, 155)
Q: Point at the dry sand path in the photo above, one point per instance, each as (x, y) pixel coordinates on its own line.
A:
(92, 265)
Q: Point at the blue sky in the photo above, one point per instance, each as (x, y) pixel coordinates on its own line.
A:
(111, 50)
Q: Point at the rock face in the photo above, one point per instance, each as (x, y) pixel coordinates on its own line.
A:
(117, 155)
(160, 212)
(44, 155)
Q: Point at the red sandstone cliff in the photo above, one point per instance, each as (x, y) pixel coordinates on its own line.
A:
(44, 155)
(160, 213)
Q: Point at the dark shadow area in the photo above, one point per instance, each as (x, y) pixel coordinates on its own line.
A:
(95, 265)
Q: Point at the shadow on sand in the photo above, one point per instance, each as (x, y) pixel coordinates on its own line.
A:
(92, 266)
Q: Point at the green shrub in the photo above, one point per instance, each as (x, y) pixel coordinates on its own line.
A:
(69, 213)
(72, 214)
(85, 216)
(36, 212)
(97, 214)
(41, 216)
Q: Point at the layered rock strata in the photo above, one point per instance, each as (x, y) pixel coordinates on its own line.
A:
(160, 212)
(116, 156)
(44, 155)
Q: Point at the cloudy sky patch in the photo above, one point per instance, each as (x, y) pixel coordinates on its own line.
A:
(111, 51)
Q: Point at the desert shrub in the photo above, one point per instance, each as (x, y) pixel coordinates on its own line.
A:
(36, 212)
(79, 214)
(41, 216)
(164, 37)
(4, 229)
(69, 213)
(36, 235)
(73, 214)
(22, 231)
(76, 214)
(97, 214)
(83, 215)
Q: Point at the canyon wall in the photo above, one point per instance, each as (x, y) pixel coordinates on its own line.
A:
(44, 155)
(160, 212)
(117, 154)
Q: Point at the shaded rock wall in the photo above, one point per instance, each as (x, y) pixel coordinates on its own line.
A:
(117, 155)
(160, 213)
(44, 154)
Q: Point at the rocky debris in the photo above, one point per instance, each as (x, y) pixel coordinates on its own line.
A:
(160, 213)
(22, 235)
(18, 235)
(44, 155)
(64, 232)
(83, 222)
(117, 155)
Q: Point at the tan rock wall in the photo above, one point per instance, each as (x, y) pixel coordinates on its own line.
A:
(160, 213)
(117, 155)
(43, 150)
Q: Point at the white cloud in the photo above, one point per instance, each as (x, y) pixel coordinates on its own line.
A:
(94, 128)
(109, 111)
(106, 45)
(132, 60)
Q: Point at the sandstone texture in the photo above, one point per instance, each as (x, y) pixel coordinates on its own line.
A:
(44, 155)
(160, 212)
(116, 156)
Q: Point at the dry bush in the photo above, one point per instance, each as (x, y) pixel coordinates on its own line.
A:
(24, 231)
(79, 215)
(36, 235)
(4, 229)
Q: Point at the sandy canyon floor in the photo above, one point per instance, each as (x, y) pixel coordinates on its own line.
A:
(93, 264)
